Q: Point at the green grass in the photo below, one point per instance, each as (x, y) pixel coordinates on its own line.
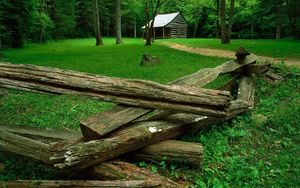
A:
(258, 149)
(272, 48)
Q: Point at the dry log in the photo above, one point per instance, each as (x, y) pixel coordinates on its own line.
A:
(247, 90)
(171, 151)
(112, 170)
(25, 146)
(80, 183)
(103, 123)
(44, 135)
(79, 154)
(118, 170)
(125, 91)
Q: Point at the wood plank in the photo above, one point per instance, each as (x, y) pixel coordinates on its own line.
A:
(125, 91)
(94, 127)
(80, 183)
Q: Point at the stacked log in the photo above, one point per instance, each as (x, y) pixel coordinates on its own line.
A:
(148, 115)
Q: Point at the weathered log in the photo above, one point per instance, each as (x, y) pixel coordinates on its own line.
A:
(26, 147)
(80, 183)
(171, 151)
(38, 150)
(79, 154)
(44, 135)
(135, 136)
(246, 90)
(129, 92)
(103, 123)
(118, 170)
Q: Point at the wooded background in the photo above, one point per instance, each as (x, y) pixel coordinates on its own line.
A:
(42, 20)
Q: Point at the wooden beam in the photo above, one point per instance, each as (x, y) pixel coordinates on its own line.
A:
(171, 151)
(26, 147)
(103, 123)
(129, 92)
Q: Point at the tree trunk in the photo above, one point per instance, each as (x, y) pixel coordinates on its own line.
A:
(124, 91)
(103, 123)
(171, 151)
(118, 22)
(196, 29)
(99, 41)
(223, 21)
(252, 28)
(218, 20)
(150, 29)
(226, 28)
(278, 32)
(134, 32)
(230, 22)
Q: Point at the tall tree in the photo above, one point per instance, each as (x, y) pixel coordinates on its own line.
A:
(98, 36)
(118, 22)
(151, 11)
(226, 25)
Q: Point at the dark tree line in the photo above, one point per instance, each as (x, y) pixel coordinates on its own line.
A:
(41, 20)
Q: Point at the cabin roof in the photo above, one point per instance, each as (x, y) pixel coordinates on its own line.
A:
(161, 20)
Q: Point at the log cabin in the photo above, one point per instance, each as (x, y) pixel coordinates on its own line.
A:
(171, 25)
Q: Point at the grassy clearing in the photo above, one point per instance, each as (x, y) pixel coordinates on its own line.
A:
(272, 48)
(258, 149)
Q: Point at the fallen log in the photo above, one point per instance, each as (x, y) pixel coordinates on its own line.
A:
(118, 170)
(79, 154)
(125, 91)
(25, 146)
(43, 135)
(171, 151)
(111, 170)
(103, 123)
(247, 90)
(80, 183)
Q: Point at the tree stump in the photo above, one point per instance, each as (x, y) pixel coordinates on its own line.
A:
(149, 60)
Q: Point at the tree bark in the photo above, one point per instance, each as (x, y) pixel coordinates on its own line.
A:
(99, 41)
(103, 123)
(226, 28)
(80, 183)
(118, 22)
(150, 29)
(246, 90)
(124, 91)
(171, 151)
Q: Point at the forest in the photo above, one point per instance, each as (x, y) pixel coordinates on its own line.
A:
(38, 21)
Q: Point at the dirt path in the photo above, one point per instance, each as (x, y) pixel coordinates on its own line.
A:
(228, 54)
